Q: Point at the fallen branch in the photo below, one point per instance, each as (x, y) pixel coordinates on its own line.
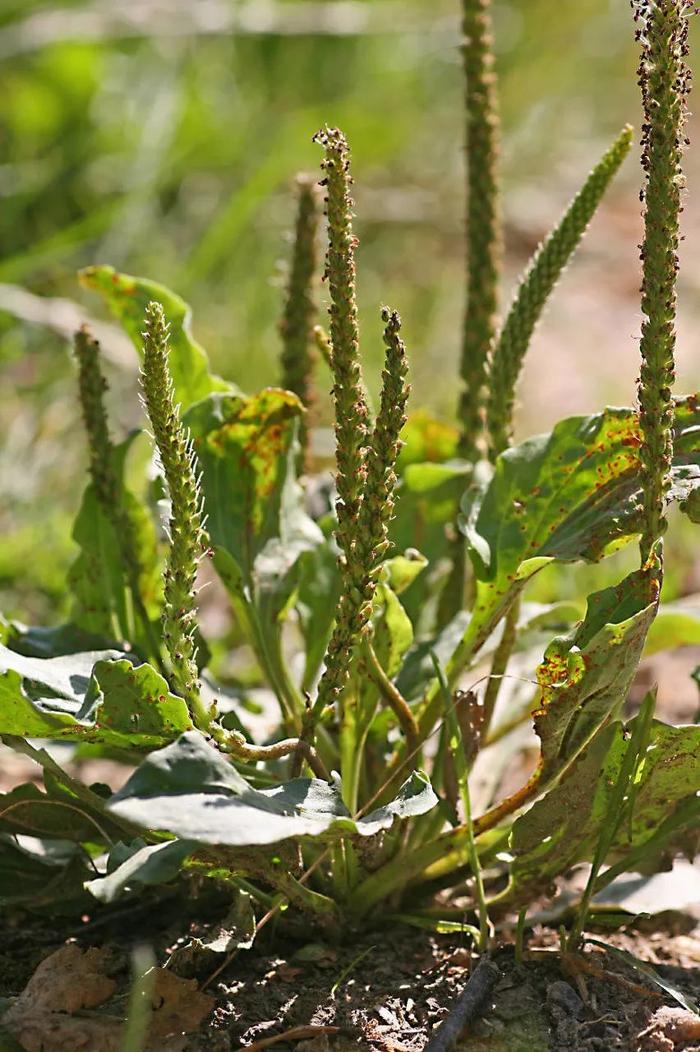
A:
(468, 1008)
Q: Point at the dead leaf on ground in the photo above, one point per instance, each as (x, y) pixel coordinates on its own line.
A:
(68, 980)
(179, 1007)
(42, 1017)
(670, 1028)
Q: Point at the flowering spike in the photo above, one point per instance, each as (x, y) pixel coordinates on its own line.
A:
(665, 82)
(92, 386)
(378, 502)
(534, 289)
(362, 562)
(186, 531)
(483, 220)
(351, 413)
(297, 323)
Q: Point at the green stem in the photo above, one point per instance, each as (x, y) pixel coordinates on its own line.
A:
(499, 664)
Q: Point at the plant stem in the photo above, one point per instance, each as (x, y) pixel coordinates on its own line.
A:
(499, 664)
(393, 698)
(365, 477)
(483, 251)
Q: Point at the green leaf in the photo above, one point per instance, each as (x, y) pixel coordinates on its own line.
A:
(86, 805)
(132, 866)
(428, 495)
(677, 624)
(562, 828)
(648, 973)
(127, 298)
(425, 438)
(92, 697)
(317, 595)
(417, 670)
(98, 578)
(246, 449)
(192, 791)
(401, 570)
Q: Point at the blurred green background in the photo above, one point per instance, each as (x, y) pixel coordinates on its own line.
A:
(161, 136)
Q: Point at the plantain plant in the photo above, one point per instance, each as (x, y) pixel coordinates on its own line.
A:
(360, 805)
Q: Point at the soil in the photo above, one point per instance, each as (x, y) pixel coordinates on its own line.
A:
(389, 989)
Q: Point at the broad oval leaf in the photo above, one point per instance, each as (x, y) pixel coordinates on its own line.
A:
(568, 495)
(127, 298)
(191, 790)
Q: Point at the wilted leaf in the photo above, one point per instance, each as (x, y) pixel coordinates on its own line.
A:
(235, 932)
(93, 697)
(179, 1007)
(584, 677)
(562, 828)
(127, 298)
(190, 790)
(64, 983)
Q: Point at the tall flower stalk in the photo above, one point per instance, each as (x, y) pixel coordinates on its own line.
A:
(298, 319)
(483, 257)
(665, 82)
(108, 490)
(186, 527)
(483, 219)
(534, 290)
(365, 477)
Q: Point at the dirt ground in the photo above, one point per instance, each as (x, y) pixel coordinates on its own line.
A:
(386, 991)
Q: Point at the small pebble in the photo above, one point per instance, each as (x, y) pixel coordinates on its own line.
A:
(562, 995)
